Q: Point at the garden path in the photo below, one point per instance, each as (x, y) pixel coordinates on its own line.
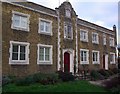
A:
(101, 82)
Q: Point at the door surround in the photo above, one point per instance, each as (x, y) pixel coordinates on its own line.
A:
(71, 52)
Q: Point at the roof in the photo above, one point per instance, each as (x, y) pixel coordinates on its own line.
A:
(37, 7)
(81, 21)
(47, 10)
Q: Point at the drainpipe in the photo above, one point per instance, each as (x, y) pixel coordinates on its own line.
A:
(115, 31)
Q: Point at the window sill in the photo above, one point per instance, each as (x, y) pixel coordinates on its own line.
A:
(112, 63)
(84, 40)
(96, 63)
(84, 63)
(18, 63)
(95, 42)
(112, 46)
(49, 34)
(21, 29)
(44, 63)
(68, 38)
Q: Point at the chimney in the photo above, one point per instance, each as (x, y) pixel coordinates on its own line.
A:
(67, 1)
(114, 28)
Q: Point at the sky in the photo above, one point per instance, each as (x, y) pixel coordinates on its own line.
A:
(101, 12)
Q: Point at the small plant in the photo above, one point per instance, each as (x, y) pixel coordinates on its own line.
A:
(25, 81)
(96, 75)
(112, 83)
(65, 76)
(104, 73)
(6, 80)
(115, 70)
(50, 78)
(110, 72)
(115, 89)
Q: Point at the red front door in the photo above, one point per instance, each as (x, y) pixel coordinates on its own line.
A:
(66, 62)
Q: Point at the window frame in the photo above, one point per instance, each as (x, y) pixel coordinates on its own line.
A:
(66, 34)
(84, 62)
(97, 41)
(50, 29)
(81, 39)
(21, 62)
(21, 15)
(112, 62)
(113, 41)
(50, 62)
(98, 57)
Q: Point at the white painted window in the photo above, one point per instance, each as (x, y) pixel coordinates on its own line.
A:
(84, 56)
(112, 44)
(68, 32)
(19, 52)
(95, 57)
(45, 26)
(112, 58)
(84, 35)
(104, 39)
(20, 21)
(95, 38)
(68, 13)
(44, 54)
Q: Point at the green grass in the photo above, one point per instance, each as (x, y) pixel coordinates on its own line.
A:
(76, 86)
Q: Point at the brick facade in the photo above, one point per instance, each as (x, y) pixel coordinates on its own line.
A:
(57, 40)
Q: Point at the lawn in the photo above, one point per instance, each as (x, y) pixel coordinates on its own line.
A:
(75, 86)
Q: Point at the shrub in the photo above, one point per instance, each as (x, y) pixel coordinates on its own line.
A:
(115, 70)
(104, 73)
(110, 72)
(65, 76)
(46, 78)
(6, 80)
(49, 78)
(96, 75)
(114, 82)
(115, 89)
(52, 78)
(37, 77)
(24, 81)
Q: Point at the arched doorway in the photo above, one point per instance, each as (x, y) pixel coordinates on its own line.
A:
(66, 62)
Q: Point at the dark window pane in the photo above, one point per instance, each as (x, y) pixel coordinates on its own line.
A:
(93, 56)
(69, 32)
(14, 56)
(41, 53)
(15, 48)
(22, 49)
(81, 55)
(81, 58)
(22, 56)
(47, 57)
